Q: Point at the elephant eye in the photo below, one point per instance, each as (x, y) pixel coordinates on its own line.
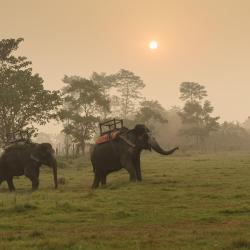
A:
(143, 136)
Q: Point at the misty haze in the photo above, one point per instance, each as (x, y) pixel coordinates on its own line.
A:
(124, 124)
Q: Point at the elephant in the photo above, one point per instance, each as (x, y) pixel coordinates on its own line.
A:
(26, 159)
(124, 152)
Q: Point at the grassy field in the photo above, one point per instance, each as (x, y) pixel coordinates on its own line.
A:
(184, 202)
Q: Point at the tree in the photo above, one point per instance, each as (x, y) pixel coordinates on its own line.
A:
(105, 83)
(192, 91)
(128, 85)
(44, 137)
(196, 116)
(246, 124)
(151, 113)
(24, 102)
(123, 90)
(84, 101)
(231, 136)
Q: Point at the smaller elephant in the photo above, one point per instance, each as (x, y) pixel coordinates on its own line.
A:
(26, 159)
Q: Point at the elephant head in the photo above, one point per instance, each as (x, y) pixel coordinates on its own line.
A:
(44, 153)
(144, 140)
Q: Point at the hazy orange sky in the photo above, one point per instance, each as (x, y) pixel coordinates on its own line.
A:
(206, 41)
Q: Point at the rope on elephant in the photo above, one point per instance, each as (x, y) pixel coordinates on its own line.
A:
(127, 141)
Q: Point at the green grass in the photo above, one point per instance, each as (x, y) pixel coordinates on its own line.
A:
(184, 202)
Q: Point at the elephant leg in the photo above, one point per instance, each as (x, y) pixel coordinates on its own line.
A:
(34, 177)
(138, 168)
(96, 181)
(130, 167)
(35, 183)
(103, 180)
(138, 173)
(10, 184)
(132, 177)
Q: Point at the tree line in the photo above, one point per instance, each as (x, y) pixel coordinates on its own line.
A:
(83, 102)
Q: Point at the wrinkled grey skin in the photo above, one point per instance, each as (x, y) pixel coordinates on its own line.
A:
(114, 155)
(26, 159)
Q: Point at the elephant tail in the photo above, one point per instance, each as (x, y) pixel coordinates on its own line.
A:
(92, 157)
(93, 164)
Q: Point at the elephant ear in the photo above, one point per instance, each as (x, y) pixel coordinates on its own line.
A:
(142, 134)
(47, 147)
(35, 154)
(35, 158)
(140, 129)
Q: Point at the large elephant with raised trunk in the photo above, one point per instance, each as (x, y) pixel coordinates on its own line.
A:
(124, 152)
(26, 159)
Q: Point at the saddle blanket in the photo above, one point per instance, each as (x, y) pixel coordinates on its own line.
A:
(107, 137)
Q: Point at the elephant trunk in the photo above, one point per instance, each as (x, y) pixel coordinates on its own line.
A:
(156, 147)
(54, 166)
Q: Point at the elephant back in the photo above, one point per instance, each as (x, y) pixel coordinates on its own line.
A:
(19, 146)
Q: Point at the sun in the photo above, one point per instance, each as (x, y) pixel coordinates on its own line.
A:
(153, 45)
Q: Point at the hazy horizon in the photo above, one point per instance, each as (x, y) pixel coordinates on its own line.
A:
(201, 41)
